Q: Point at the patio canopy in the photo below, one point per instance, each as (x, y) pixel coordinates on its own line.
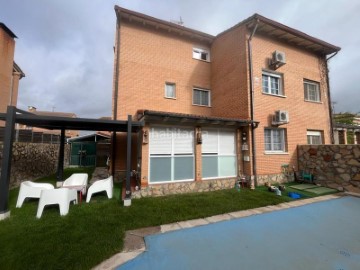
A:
(15, 115)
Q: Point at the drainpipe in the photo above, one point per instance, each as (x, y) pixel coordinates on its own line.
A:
(117, 52)
(253, 126)
(116, 87)
(329, 98)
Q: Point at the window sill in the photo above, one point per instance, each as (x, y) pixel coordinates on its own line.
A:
(174, 98)
(206, 61)
(312, 101)
(170, 182)
(219, 177)
(273, 95)
(206, 106)
(275, 153)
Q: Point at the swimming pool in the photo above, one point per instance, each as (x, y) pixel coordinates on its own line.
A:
(323, 235)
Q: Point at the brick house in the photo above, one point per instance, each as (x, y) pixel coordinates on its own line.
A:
(10, 72)
(221, 107)
(68, 133)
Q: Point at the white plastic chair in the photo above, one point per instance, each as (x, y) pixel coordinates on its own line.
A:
(99, 186)
(61, 196)
(30, 189)
(77, 179)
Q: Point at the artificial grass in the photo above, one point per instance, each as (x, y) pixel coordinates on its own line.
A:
(303, 186)
(93, 232)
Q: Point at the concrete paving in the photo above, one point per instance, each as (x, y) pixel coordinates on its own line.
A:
(134, 240)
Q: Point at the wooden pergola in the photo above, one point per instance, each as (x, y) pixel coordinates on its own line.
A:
(15, 115)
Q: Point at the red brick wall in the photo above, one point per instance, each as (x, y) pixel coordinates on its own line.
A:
(229, 75)
(148, 59)
(303, 115)
(7, 47)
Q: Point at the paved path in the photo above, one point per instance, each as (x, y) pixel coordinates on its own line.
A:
(134, 240)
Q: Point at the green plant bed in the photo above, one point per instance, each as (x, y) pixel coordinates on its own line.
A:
(93, 232)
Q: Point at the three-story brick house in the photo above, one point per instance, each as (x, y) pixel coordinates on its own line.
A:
(221, 107)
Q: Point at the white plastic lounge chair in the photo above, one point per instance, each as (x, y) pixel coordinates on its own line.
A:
(62, 196)
(77, 180)
(30, 189)
(101, 185)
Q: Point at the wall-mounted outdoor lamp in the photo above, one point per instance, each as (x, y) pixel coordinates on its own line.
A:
(199, 136)
(145, 137)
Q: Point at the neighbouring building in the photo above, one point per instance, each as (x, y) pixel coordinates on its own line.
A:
(346, 134)
(68, 133)
(10, 72)
(346, 128)
(221, 107)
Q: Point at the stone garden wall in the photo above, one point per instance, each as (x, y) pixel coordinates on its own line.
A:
(334, 166)
(33, 160)
(184, 187)
(275, 179)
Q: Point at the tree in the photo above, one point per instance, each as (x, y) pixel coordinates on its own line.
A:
(344, 118)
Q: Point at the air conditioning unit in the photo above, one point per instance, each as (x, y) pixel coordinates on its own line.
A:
(281, 117)
(279, 57)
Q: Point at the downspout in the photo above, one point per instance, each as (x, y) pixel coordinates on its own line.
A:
(253, 126)
(117, 65)
(329, 98)
(116, 91)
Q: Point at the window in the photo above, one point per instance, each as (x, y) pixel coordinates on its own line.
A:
(201, 54)
(314, 137)
(275, 139)
(311, 91)
(201, 97)
(218, 154)
(171, 154)
(271, 84)
(170, 90)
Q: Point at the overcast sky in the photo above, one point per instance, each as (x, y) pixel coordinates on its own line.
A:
(65, 47)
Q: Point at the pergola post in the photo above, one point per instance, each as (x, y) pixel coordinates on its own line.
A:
(6, 162)
(60, 168)
(127, 201)
(113, 153)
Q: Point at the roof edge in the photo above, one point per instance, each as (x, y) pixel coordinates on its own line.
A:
(7, 30)
(16, 68)
(119, 10)
(283, 27)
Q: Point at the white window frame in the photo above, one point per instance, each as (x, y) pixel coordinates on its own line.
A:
(270, 90)
(218, 152)
(308, 95)
(201, 90)
(272, 139)
(200, 53)
(174, 88)
(172, 154)
(310, 134)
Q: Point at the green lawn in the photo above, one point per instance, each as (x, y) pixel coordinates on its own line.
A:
(92, 232)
